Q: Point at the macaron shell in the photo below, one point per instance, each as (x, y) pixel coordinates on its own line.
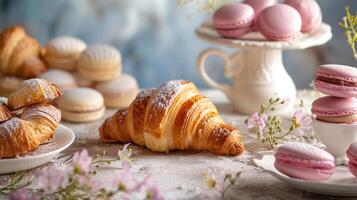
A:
(83, 116)
(80, 99)
(335, 90)
(65, 46)
(304, 151)
(100, 74)
(120, 92)
(100, 56)
(234, 15)
(310, 13)
(258, 6)
(302, 173)
(82, 81)
(121, 101)
(233, 33)
(68, 64)
(341, 72)
(352, 168)
(334, 106)
(63, 79)
(280, 22)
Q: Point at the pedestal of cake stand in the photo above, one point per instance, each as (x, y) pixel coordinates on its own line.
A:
(256, 67)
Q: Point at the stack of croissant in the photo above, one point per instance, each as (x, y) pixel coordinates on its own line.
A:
(19, 57)
(174, 116)
(27, 120)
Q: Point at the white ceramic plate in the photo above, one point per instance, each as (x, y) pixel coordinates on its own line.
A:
(342, 183)
(62, 139)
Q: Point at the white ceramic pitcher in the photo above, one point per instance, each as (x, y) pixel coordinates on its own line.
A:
(257, 74)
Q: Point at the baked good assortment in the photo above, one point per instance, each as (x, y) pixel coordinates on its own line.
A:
(304, 161)
(81, 105)
(277, 22)
(120, 92)
(173, 116)
(28, 120)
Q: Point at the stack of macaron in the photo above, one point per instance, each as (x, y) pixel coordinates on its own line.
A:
(278, 22)
(339, 82)
(91, 77)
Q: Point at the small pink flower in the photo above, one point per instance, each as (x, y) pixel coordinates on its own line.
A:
(151, 189)
(50, 179)
(125, 182)
(95, 185)
(22, 194)
(303, 121)
(257, 121)
(81, 161)
(125, 156)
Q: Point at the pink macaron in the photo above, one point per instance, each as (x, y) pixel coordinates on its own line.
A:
(336, 80)
(233, 20)
(304, 161)
(259, 6)
(280, 22)
(335, 109)
(310, 13)
(352, 156)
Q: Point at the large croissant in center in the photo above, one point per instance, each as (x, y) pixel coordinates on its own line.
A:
(174, 116)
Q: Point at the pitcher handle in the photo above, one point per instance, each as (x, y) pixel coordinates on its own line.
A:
(201, 61)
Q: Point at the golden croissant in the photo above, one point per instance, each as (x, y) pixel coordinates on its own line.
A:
(174, 116)
(19, 54)
(36, 125)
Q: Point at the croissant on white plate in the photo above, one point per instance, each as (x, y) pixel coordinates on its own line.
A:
(174, 116)
(33, 120)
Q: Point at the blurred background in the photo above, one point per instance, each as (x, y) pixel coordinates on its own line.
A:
(156, 37)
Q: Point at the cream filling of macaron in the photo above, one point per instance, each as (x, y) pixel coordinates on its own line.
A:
(336, 81)
(82, 111)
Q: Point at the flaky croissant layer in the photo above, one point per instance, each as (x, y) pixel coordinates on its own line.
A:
(174, 116)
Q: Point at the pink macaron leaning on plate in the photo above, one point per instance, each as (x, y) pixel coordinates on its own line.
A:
(259, 6)
(336, 80)
(310, 13)
(280, 22)
(233, 20)
(335, 109)
(352, 156)
(304, 161)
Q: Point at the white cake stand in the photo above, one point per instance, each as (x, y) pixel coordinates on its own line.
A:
(256, 67)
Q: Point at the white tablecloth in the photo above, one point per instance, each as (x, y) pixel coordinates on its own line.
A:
(180, 173)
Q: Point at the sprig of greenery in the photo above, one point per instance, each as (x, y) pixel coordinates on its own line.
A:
(229, 181)
(18, 180)
(272, 131)
(349, 24)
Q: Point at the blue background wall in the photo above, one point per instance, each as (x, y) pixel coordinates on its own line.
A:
(156, 37)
